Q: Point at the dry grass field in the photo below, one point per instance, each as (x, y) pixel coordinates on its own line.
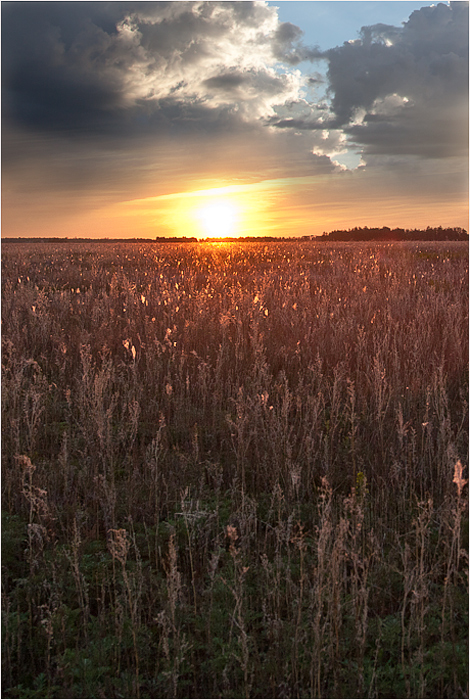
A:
(234, 470)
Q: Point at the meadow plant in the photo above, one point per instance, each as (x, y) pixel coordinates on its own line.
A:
(234, 470)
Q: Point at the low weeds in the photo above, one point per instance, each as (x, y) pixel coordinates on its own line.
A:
(234, 471)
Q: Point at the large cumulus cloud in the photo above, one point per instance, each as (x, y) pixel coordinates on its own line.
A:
(125, 67)
(405, 90)
(394, 91)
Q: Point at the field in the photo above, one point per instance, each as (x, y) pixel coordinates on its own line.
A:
(234, 470)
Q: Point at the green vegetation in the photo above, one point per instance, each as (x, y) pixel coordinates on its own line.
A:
(234, 470)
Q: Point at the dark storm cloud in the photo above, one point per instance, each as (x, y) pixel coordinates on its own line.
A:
(292, 123)
(57, 68)
(395, 90)
(405, 90)
(226, 81)
(120, 68)
(289, 48)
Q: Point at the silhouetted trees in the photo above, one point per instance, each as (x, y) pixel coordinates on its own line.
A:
(397, 234)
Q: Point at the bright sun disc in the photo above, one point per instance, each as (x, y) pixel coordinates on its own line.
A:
(218, 219)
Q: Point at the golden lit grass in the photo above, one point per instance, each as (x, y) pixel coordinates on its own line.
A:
(234, 471)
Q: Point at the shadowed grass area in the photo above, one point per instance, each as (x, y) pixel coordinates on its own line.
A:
(234, 471)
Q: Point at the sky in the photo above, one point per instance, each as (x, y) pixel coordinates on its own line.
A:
(146, 119)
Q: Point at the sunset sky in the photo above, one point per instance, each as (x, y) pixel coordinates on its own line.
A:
(145, 119)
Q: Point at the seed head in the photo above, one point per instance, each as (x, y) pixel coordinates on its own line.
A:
(458, 478)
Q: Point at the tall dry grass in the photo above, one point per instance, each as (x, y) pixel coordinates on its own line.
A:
(234, 470)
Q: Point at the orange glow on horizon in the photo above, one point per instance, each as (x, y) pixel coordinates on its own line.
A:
(220, 212)
(273, 207)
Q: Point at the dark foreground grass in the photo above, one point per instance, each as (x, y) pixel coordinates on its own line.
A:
(235, 470)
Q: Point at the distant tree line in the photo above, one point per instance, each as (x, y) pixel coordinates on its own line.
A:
(397, 234)
(357, 233)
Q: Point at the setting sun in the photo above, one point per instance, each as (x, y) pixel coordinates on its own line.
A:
(218, 219)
